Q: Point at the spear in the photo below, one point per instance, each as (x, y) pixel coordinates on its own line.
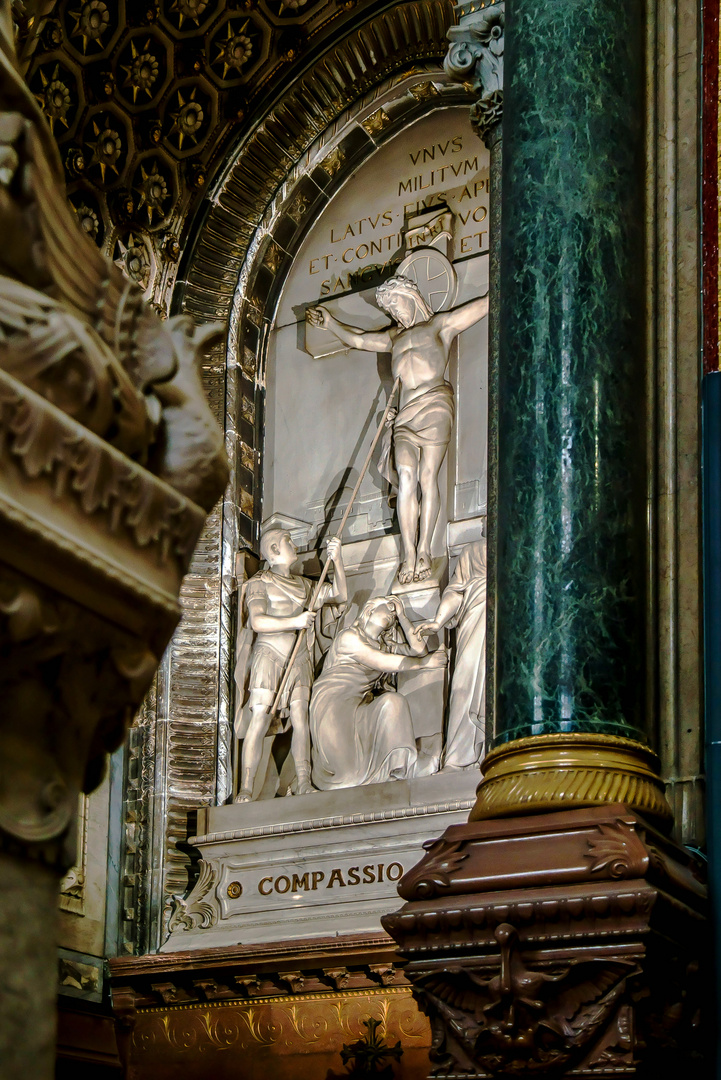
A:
(324, 574)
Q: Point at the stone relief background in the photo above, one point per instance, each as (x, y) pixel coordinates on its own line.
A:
(321, 413)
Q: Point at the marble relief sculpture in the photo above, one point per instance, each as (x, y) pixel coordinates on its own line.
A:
(360, 726)
(421, 428)
(463, 606)
(278, 604)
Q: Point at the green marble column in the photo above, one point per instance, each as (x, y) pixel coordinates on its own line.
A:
(570, 603)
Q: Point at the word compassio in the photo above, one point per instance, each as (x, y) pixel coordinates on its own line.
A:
(312, 880)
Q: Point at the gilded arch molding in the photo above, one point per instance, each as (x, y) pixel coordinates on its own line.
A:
(407, 38)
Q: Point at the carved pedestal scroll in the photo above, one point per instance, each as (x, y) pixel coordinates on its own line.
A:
(558, 944)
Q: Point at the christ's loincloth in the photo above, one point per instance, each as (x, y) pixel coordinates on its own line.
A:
(425, 421)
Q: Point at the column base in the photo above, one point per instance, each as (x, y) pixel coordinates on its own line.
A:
(567, 772)
(565, 944)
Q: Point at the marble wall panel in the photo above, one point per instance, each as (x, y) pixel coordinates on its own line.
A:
(83, 890)
(437, 159)
(186, 744)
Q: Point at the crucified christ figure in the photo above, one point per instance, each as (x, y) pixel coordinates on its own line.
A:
(420, 345)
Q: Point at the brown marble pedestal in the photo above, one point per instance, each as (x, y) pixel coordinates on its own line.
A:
(565, 944)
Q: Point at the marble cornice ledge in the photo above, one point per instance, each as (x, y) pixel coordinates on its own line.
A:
(354, 962)
(284, 828)
(88, 522)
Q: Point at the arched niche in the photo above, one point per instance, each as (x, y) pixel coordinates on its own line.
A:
(364, 91)
(302, 424)
(236, 268)
(407, 150)
(322, 400)
(406, 160)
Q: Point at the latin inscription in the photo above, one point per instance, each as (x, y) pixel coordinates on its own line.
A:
(312, 880)
(359, 253)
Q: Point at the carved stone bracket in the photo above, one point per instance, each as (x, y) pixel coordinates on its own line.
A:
(567, 941)
(109, 461)
(93, 548)
(70, 683)
(201, 908)
(525, 1019)
(485, 114)
(475, 58)
(109, 458)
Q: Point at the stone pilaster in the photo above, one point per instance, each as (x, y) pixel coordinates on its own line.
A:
(475, 58)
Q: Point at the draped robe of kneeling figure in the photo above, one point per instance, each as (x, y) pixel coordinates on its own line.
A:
(358, 736)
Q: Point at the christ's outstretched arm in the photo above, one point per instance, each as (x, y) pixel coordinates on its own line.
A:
(456, 320)
(369, 340)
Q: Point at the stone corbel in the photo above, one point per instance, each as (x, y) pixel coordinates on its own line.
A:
(339, 977)
(249, 985)
(201, 907)
(475, 58)
(294, 980)
(170, 994)
(211, 990)
(70, 683)
(384, 974)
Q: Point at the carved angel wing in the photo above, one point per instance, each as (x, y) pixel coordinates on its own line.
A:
(459, 989)
(586, 996)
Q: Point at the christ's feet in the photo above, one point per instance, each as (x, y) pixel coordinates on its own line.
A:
(406, 571)
(423, 567)
(302, 784)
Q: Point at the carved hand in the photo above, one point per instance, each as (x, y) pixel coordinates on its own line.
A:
(426, 628)
(334, 549)
(392, 414)
(304, 621)
(319, 316)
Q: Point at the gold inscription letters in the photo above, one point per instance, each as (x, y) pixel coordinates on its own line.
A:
(358, 253)
(315, 879)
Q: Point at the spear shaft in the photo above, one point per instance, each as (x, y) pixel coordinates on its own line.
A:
(324, 573)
